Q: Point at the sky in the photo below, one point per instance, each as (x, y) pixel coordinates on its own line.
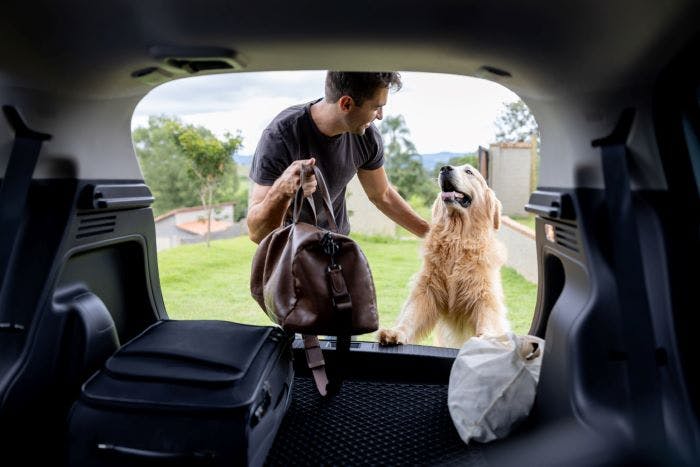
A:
(443, 112)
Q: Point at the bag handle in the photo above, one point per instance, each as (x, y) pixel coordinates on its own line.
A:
(299, 201)
(323, 191)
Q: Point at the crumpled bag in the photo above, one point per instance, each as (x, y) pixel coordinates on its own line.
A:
(492, 385)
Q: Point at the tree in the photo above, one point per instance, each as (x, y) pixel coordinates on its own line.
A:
(209, 160)
(163, 164)
(167, 168)
(404, 165)
(515, 123)
(395, 134)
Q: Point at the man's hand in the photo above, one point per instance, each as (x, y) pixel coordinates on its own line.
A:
(289, 181)
(268, 204)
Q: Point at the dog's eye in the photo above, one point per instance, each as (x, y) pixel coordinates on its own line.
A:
(469, 172)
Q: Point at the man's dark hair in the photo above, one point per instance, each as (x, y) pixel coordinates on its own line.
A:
(359, 85)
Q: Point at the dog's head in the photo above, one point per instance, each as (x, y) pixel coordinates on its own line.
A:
(464, 192)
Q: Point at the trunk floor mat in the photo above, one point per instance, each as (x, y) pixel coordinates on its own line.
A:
(367, 423)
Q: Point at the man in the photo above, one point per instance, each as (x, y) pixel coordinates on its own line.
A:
(336, 134)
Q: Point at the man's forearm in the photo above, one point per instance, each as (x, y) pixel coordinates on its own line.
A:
(399, 211)
(267, 215)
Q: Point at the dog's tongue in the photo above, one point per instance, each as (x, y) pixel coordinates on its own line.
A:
(450, 195)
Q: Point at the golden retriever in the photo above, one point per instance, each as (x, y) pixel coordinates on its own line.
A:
(458, 288)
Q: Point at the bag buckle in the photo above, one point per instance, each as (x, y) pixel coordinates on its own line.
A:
(330, 247)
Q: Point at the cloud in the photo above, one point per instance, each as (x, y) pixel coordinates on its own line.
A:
(443, 112)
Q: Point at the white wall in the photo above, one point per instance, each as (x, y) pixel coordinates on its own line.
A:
(364, 217)
(522, 250)
(509, 177)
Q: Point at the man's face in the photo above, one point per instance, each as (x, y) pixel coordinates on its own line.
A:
(359, 118)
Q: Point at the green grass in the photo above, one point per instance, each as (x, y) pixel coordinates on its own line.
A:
(213, 283)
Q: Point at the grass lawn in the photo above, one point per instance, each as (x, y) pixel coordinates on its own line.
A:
(214, 283)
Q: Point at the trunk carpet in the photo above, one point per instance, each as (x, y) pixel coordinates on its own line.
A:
(370, 423)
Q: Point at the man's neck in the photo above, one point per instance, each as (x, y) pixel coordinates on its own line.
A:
(326, 119)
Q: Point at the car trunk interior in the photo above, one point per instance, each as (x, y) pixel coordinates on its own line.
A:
(616, 304)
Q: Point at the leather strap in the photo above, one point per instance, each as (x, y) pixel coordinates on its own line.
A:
(342, 351)
(327, 205)
(340, 296)
(339, 291)
(315, 361)
(342, 306)
(304, 151)
(299, 201)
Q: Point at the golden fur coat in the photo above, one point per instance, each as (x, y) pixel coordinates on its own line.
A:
(458, 289)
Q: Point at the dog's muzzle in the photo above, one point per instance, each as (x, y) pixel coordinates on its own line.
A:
(450, 194)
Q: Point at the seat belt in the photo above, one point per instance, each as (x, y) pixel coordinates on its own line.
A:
(628, 269)
(15, 187)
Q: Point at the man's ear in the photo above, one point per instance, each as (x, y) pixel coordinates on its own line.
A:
(346, 103)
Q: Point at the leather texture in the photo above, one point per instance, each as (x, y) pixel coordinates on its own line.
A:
(314, 281)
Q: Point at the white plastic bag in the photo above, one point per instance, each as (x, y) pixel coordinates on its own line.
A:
(492, 384)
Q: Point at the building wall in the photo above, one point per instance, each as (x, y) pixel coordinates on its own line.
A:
(521, 246)
(236, 230)
(509, 176)
(364, 217)
(168, 235)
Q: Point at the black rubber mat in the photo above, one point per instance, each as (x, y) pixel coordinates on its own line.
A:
(369, 423)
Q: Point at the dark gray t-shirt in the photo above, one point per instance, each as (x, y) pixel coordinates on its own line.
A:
(293, 135)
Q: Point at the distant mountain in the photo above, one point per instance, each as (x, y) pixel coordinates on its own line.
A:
(429, 160)
(242, 159)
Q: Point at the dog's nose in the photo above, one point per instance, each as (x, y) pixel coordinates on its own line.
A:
(445, 169)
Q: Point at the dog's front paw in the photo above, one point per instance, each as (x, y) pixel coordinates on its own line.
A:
(390, 337)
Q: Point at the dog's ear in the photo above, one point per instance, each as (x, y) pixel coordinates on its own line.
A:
(438, 210)
(497, 207)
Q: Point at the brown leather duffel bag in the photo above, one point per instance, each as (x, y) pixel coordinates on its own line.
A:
(315, 281)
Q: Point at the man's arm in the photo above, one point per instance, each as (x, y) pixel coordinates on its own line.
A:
(268, 204)
(386, 198)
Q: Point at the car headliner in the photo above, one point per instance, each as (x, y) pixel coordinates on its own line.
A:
(558, 53)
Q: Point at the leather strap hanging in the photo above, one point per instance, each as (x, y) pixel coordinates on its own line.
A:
(340, 298)
(315, 362)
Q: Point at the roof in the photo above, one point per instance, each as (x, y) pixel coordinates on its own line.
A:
(200, 227)
(190, 209)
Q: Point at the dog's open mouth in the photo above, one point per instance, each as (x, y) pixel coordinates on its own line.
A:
(450, 195)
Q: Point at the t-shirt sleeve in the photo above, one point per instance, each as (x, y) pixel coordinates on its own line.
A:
(271, 158)
(376, 146)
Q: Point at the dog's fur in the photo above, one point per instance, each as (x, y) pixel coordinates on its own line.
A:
(458, 289)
